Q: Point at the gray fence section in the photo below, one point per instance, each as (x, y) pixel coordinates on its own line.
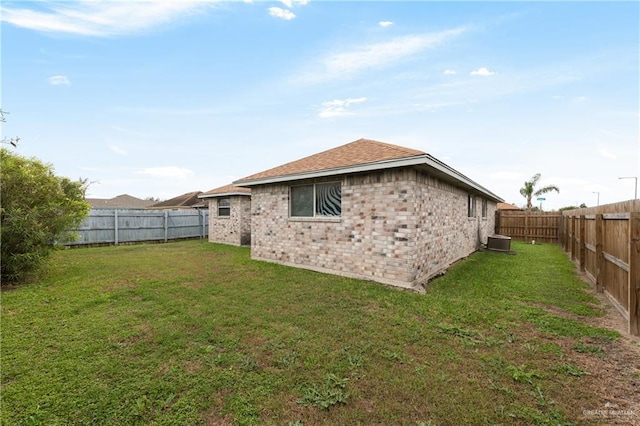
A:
(115, 226)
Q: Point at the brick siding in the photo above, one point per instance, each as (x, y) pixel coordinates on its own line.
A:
(234, 229)
(399, 227)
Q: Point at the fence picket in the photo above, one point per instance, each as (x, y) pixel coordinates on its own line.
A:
(116, 226)
(634, 273)
(603, 242)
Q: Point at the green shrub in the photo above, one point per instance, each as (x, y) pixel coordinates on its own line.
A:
(38, 208)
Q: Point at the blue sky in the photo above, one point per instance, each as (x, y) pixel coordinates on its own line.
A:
(160, 98)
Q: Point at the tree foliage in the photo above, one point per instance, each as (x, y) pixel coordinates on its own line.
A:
(581, 206)
(37, 209)
(9, 141)
(529, 189)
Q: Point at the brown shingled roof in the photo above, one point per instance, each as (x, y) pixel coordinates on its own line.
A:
(123, 201)
(362, 151)
(225, 190)
(507, 206)
(181, 201)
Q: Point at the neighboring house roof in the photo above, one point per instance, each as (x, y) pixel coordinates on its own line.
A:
(361, 156)
(124, 201)
(188, 200)
(225, 191)
(507, 206)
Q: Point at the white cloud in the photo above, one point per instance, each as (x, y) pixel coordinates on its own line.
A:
(94, 18)
(292, 3)
(385, 23)
(338, 107)
(166, 172)
(117, 150)
(345, 64)
(449, 72)
(281, 13)
(607, 154)
(58, 80)
(483, 72)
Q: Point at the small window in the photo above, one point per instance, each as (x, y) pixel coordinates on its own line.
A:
(224, 207)
(302, 201)
(484, 208)
(471, 206)
(317, 200)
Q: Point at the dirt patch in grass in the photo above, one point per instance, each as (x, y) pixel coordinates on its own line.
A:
(192, 367)
(214, 416)
(616, 378)
(116, 285)
(602, 374)
(196, 285)
(613, 367)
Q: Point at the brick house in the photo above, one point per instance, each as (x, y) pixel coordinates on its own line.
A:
(229, 215)
(368, 210)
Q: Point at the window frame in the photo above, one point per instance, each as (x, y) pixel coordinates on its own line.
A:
(484, 208)
(471, 206)
(315, 214)
(227, 207)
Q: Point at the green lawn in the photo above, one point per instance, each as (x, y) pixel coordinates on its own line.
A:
(198, 333)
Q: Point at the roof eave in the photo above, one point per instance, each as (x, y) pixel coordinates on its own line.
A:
(420, 160)
(224, 194)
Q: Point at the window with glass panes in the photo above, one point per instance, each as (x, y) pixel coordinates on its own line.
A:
(471, 206)
(224, 207)
(316, 200)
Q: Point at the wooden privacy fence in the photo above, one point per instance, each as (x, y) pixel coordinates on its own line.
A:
(604, 242)
(525, 225)
(115, 226)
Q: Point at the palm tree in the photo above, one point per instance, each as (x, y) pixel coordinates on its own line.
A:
(529, 189)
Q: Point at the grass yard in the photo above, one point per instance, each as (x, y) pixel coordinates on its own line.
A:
(198, 333)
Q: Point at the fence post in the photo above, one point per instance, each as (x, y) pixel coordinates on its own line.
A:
(166, 225)
(567, 232)
(563, 238)
(561, 230)
(115, 225)
(634, 273)
(583, 245)
(204, 224)
(599, 255)
(573, 238)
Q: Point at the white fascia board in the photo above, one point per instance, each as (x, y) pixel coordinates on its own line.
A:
(420, 160)
(224, 194)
